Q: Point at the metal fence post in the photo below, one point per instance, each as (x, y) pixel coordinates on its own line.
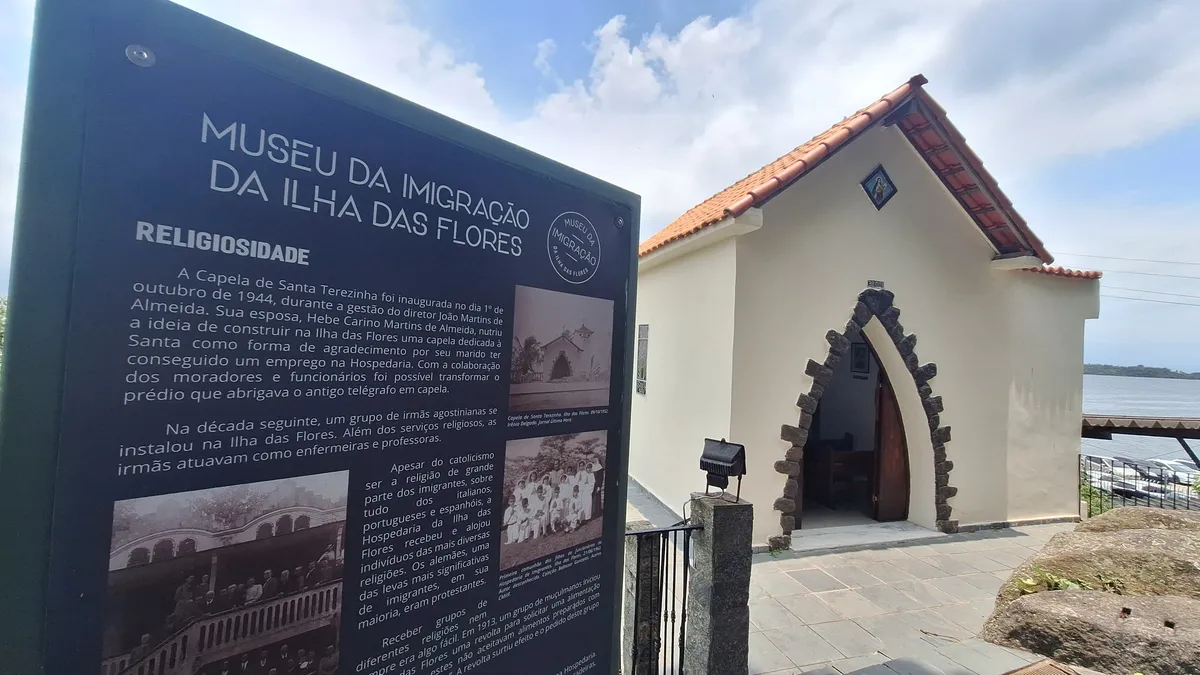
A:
(643, 590)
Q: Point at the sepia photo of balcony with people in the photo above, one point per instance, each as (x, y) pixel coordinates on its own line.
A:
(243, 578)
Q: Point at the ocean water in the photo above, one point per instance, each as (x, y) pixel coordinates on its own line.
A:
(1109, 395)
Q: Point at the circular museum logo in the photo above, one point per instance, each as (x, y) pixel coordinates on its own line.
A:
(574, 247)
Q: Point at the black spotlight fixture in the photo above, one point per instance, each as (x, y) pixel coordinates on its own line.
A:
(721, 460)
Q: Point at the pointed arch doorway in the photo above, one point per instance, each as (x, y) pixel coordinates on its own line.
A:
(928, 467)
(855, 467)
(561, 369)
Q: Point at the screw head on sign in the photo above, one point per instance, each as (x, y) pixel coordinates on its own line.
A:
(620, 221)
(139, 56)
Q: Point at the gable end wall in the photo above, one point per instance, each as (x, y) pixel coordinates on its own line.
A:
(800, 276)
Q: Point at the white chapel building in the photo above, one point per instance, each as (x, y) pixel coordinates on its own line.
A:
(570, 354)
(872, 319)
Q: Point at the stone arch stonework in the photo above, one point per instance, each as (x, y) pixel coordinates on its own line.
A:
(872, 303)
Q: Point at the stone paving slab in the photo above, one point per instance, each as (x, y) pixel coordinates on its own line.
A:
(810, 609)
(815, 581)
(904, 609)
(803, 646)
(886, 572)
(891, 599)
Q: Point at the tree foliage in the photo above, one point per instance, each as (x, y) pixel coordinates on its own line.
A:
(1138, 371)
(3, 322)
(231, 506)
(125, 519)
(525, 360)
(557, 457)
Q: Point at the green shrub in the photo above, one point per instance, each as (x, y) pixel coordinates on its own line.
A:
(1042, 580)
(1098, 501)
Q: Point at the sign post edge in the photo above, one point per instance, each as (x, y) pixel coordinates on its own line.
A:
(40, 282)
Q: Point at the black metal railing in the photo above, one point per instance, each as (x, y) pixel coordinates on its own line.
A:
(660, 598)
(1109, 482)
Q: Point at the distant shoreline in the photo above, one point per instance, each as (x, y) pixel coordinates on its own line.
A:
(1138, 371)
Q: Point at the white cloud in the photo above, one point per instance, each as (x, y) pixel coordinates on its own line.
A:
(12, 107)
(545, 49)
(678, 116)
(373, 40)
(16, 27)
(1136, 84)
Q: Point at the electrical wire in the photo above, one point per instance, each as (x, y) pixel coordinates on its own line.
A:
(1161, 302)
(1143, 260)
(1150, 274)
(1142, 290)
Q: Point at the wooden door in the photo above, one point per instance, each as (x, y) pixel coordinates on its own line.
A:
(891, 456)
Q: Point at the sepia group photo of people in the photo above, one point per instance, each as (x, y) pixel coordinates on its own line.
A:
(553, 495)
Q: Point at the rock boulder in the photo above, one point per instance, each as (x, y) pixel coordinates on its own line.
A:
(1141, 518)
(1107, 632)
(1126, 562)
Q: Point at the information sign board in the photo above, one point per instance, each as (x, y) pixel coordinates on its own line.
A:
(300, 374)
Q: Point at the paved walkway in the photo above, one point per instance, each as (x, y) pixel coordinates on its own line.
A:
(917, 607)
(632, 514)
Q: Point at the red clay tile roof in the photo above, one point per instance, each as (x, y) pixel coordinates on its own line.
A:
(925, 125)
(1066, 272)
(946, 152)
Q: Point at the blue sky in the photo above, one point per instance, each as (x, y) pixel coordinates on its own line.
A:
(1086, 111)
(507, 40)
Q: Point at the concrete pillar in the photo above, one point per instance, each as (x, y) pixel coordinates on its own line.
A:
(643, 586)
(717, 637)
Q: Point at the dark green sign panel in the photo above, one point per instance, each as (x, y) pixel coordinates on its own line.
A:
(300, 377)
